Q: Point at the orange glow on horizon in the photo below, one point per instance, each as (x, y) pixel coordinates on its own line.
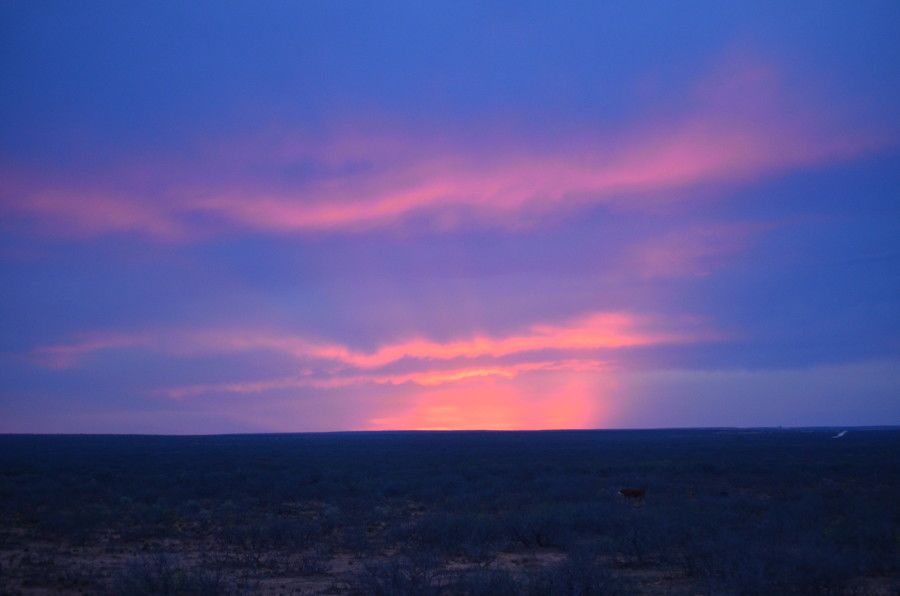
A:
(566, 401)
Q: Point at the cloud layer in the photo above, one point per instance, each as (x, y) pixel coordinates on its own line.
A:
(742, 125)
(320, 217)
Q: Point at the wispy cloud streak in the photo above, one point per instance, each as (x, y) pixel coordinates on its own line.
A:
(422, 378)
(576, 345)
(740, 127)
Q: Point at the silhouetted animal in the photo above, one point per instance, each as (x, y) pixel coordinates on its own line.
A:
(636, 494)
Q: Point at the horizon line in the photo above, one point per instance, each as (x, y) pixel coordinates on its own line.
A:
(470, 430)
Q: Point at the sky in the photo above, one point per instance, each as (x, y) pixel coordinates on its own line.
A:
(319, 216)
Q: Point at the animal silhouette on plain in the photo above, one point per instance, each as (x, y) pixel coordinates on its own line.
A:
(635, 495)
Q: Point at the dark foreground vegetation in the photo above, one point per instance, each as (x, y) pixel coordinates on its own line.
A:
(725, 512)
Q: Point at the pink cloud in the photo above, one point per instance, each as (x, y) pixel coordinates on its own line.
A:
(423, 378)
(694, 251)
(595, 331)
(547, 375)
(544, 376)
(69, 355)
(742, 125)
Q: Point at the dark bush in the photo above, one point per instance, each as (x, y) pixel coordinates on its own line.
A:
(159, 576)
(577, 576)
(402, 576)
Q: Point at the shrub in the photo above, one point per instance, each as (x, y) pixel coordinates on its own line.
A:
(160, 576)
(401, 576)
(579, 575)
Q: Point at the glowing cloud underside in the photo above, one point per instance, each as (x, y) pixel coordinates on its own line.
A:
(547, 376)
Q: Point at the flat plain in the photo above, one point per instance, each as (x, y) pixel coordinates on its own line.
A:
(724, 511)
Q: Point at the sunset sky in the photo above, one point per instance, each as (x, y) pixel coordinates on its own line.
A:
(313, 216)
